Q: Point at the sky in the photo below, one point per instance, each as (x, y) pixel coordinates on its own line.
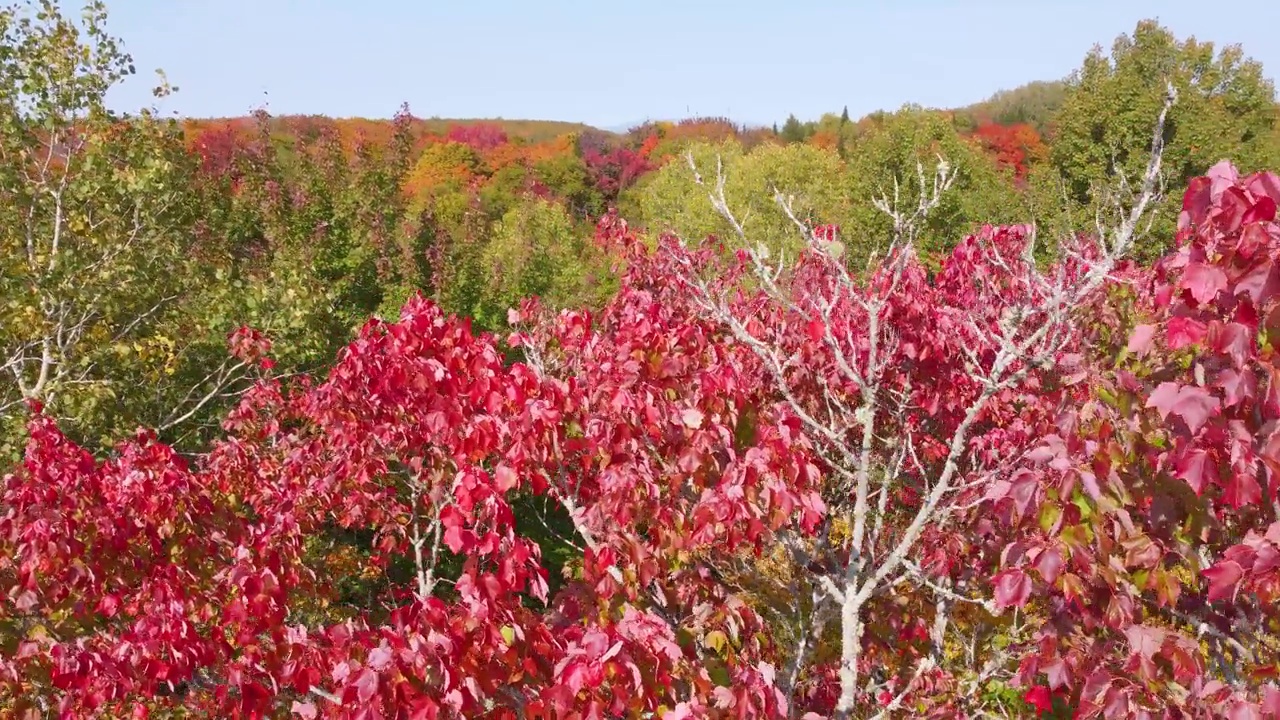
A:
(619, 63)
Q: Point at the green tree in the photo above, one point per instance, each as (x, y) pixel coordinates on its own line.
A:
(1036, 104)
(670, 199)
(794, 131)
(566, 176)
(125, 265)
(842, 148)
(1226, 109)
(536, 249)
(891, 151)
(99, 254)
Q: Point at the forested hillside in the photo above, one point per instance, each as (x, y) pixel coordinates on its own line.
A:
(947, 413)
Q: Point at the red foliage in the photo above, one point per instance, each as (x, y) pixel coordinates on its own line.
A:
(1171, 466)
(479, 136)
(613, 167)
(219, 145)
(1118, 503)
(1014, 146)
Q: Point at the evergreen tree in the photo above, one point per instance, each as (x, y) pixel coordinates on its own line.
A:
(793, 131)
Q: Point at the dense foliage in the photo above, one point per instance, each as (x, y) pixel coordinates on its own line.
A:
(1123, 505)
(429, 430)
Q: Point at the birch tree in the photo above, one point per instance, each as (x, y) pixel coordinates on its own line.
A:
(101, 259)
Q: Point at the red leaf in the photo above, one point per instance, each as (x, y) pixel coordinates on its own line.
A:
(1259, 282)
(1241, 489)
(1197, 468)
(1012, 588)
(26, 600)
(379, 658)
(1090, 482)
(1204, 281)
(1263, 210)
(1196, 201)
(1145, 640)
(1183, 331)
(1232, 339)
(1049, 564)
(366, 685)
(108, 605)
(815, 329)
(1265, 184)
(1271, 695)
(1191, 403)
(504, 478)
(1140, 339)
(1241, 710)
(1058, 673)
(1040, 698)
(1223, 578)
(459, 539)
(1237, 385)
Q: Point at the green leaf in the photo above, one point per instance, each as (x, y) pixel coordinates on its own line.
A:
(1050, 512)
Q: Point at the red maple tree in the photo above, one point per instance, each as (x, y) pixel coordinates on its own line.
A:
(1015, 146)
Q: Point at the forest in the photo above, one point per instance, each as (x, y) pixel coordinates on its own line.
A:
(937, 412)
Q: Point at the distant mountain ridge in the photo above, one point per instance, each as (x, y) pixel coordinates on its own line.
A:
(1033, 103)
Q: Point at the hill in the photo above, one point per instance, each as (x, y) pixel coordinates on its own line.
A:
(1034, 104)
(531, 130)
(534, 130)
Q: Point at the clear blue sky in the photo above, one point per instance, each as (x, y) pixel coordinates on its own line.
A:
(611, 63)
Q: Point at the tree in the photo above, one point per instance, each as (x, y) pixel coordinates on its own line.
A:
(1014, 146)
(841, 145)
(537, 250)
(668, 201)
(881, 157)
(322, 233)
(1228, 108)
(611, 167)
(1035, 104)
(829, 133)
(1151, 514)
(901, 459)
(443, 166)
(480, 136)
(108, 266)
(1008, 487)
(794, 131)
(566, 175)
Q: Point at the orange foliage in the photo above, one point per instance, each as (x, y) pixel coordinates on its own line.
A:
(758, 136)
(647, 147)
(352, 131)
(504, 156)
(441, 164)
(443, 156)
(709, 129)
(825, 139)
(1015, 146)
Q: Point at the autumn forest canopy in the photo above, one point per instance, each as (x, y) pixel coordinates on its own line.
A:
(938, 413)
